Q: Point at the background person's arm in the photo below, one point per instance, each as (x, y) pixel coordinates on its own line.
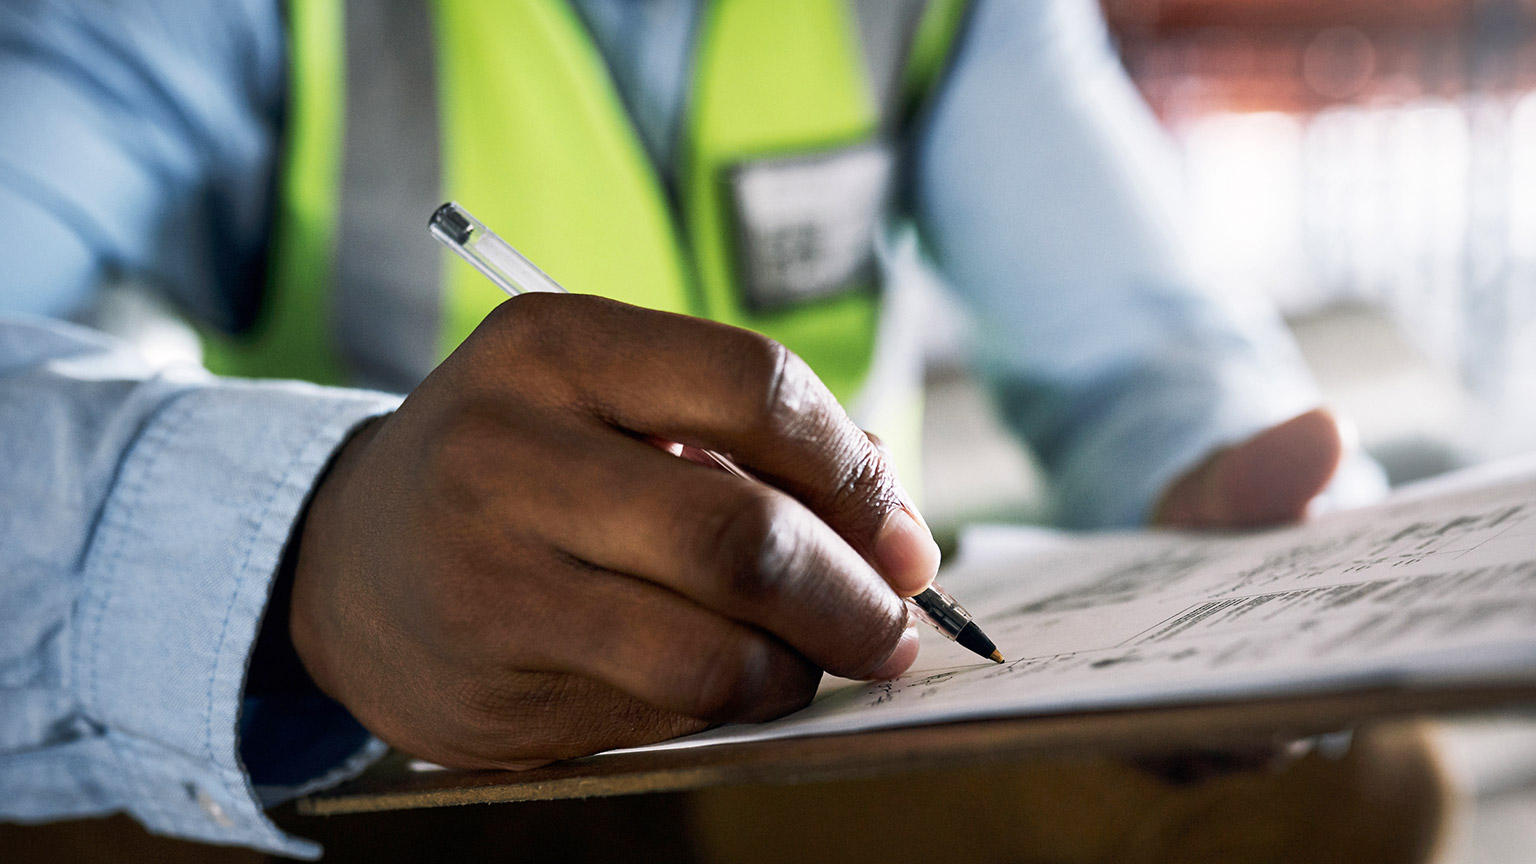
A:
(1048, 198)
(138, 141)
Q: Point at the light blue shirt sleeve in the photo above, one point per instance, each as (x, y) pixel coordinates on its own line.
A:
(144, 514)
(1046, 195)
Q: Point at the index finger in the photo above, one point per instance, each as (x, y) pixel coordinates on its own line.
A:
(718, 387)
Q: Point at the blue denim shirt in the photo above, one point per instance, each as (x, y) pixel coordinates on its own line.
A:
(144, 512)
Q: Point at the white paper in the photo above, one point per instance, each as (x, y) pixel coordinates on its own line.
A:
(1433, 586)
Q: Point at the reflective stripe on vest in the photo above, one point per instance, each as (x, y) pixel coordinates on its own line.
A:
(536, 141)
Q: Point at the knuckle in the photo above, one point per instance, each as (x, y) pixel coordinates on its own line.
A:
(752, 678)
(728, 677)
(767, 379)
(880, 447)
(751, 551)
(529, 313)
(794, 688)
(865, 492)
(531, 327)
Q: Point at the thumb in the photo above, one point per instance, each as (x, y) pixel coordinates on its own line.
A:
(1268, 479)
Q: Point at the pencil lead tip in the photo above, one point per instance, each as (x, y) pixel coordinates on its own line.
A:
(996, 657)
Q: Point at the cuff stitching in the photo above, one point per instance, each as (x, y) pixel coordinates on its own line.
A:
(120, 508)
(308, 460)
(257, 524)
(152, 446)
(241, 575)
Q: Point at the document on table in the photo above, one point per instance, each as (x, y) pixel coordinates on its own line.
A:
(1437, 585)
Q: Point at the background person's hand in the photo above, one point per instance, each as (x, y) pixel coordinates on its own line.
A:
(1269, 479)
(505, 571)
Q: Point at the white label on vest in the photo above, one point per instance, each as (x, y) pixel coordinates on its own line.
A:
(805, 225)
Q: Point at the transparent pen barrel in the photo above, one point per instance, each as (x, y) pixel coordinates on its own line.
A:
(935, 606)
(488, 253)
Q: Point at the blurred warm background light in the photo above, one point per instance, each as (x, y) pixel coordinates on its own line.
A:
(1366, 155)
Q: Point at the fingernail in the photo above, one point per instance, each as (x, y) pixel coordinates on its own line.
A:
(901, 659)
(905, 553)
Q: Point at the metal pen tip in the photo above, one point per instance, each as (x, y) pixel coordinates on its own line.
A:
(996, 657)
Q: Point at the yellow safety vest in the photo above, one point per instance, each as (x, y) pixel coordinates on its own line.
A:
(529, 132)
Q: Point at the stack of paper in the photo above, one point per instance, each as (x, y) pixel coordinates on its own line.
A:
(1434, 586)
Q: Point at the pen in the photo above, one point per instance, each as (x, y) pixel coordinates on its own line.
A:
(511, 272)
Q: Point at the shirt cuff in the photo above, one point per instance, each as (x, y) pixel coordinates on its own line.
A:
(1138, 433)
(1162, 424)
(176, 580)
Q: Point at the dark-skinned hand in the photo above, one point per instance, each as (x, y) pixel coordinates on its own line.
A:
(507, 570)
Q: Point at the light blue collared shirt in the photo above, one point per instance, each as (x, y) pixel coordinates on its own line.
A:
(145, 512)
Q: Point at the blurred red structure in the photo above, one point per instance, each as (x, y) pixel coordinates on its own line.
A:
(1299, 56)
(1363, 151)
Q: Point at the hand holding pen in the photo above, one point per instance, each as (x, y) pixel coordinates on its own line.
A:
(514, 274)
(504, 571)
